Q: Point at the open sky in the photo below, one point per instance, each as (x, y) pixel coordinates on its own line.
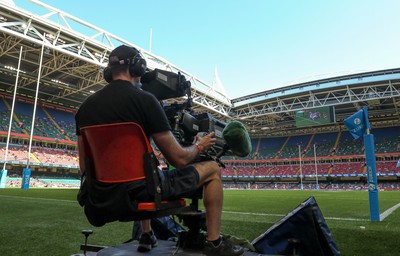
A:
(256, 45)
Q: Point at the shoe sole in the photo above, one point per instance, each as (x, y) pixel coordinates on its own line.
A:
(214, 254)
(146, 247)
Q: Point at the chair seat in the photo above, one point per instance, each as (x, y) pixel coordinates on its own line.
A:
(151, 206)
(118, 153)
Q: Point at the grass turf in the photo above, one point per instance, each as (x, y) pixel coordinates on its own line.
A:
(49, 221)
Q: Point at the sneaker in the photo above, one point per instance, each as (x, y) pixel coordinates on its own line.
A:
(147, 241)
(223, 249)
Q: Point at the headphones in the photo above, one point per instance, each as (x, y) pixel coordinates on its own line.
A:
(136, 64)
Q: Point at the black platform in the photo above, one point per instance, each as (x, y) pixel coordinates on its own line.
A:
(163, 248)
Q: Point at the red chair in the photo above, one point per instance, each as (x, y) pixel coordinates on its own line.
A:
(121, 153)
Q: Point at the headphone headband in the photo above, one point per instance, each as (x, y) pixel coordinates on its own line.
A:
(136, 64)
(115, 60)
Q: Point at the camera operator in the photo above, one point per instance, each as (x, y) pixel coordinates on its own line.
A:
(121, 100)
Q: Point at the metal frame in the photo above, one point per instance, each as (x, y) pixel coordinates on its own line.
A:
(78, 55)
(73, 63)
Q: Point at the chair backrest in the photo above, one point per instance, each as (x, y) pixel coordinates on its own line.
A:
(116, 151)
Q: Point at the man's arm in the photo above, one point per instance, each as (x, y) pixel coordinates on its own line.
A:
(177, 155)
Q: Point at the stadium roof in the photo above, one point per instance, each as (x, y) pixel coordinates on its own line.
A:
(72, 63)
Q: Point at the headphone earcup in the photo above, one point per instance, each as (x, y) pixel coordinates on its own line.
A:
(107, 74)
(138, 68)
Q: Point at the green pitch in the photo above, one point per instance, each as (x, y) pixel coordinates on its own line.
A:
(49, 221)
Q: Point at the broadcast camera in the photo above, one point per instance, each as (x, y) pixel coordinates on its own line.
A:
(185, 124)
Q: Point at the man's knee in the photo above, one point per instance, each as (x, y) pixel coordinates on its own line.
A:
(214, 167)
(211, 166)
(208, 170)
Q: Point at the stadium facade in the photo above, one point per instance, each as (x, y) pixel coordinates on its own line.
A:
(69, 64)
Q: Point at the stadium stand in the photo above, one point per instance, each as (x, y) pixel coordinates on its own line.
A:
(339, 162)
(273, 159)
(56, 156)
(325, 144)
(274, 163)
(338, 155)
(270, 115)
(269, 148)
(53, 150)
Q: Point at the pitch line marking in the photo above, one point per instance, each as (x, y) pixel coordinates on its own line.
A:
(281, 215)
(39, 198)
(382, 216)
(389, 211)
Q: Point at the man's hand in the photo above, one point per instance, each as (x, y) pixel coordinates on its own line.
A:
(207, 141)
(180, 156)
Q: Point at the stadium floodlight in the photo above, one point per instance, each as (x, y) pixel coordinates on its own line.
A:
(49, 36)
(14, 69)
(59, 82)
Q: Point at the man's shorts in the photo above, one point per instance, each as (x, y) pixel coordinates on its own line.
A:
(178, 183)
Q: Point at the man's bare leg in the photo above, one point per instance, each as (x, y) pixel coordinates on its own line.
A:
(210, 179)
(146, 227)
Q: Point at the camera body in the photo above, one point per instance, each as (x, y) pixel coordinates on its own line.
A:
(185, 127)
(185, 124)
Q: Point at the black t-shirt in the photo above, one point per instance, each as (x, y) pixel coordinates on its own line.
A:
(120, 101)
(117, 102)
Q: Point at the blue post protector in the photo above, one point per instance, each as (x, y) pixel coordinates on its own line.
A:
(371, 175)
(3, 178)
(26, 176)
